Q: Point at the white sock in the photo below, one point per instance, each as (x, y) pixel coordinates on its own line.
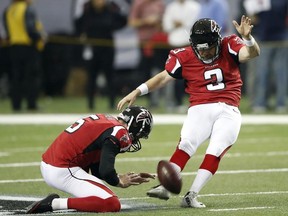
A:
(176, 167)
(60, 204)
(201, 179)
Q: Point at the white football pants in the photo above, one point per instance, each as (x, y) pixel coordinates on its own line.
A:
(218, 121)
(74, 181)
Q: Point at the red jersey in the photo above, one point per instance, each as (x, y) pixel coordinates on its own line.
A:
(81, 143)
(219, 81)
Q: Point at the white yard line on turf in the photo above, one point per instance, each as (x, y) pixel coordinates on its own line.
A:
(139, 159)
(158, 119)
(127, 206)
(29, 198)
(245, 194)
(240, 209)
(183, 173)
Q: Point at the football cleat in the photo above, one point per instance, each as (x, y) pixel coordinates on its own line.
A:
(44, 205)
(159, 192)
(190, 201)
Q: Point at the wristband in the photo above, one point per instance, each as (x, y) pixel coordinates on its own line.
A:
(249, 43)
(143, 89)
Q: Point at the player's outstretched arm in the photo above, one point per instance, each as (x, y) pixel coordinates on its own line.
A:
(156, 82)
(252, 48)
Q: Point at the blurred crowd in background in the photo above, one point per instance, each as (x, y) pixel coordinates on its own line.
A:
(95, 48)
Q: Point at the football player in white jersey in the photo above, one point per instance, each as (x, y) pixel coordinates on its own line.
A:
(210, 68)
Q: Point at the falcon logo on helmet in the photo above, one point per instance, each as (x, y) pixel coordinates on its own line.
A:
(214, 27)
(140, 122)
(205, 35)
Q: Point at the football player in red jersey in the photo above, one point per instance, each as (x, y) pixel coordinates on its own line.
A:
(210, 68)
(82, 157)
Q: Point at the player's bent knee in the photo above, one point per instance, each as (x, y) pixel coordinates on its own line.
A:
(112, 204)
(95, 204)
(187, 146)
(218, 150)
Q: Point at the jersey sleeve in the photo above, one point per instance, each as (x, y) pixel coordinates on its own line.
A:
(119, 141)
(235, 42)
(107, 170)
(173, 65)
(122, 135)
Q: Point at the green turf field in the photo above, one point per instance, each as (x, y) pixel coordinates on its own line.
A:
(79, 105)
(252, 178)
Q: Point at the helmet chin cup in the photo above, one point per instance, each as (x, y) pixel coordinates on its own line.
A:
(136, 146)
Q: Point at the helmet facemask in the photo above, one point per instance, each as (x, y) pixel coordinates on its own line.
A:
(205, 35)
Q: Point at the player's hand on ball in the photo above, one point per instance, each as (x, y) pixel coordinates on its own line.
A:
(143, 177)
(125, 180)
(147, 175)
(132, 178)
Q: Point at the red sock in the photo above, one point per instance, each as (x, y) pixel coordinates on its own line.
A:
(180, 158)
(95, 204)
(210, 163)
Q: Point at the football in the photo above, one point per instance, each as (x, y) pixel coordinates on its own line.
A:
(168, 177)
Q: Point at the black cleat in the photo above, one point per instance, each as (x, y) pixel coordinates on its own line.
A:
(43, 205)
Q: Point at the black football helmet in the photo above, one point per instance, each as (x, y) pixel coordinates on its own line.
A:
(205, 34)
(140, 122)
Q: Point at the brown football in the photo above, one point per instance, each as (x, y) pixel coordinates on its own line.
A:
(168, 177)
